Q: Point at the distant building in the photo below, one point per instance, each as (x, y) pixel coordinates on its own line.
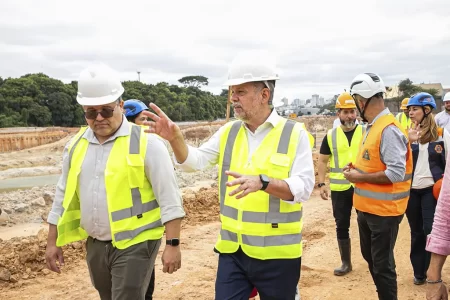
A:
(314, 100)
(285, 101)
(394, 92)
(296, 102)
(308, 111)
(435, 86)
(321, 101)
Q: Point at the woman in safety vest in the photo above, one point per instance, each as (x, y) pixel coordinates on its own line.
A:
(429, 146)
(133, 112)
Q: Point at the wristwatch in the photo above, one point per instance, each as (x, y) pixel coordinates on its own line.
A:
(321, 184)
(173, 242)
(264, 180)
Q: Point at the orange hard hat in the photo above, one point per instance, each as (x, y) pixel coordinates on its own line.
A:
(345, 101)
(437, 188)
(404, 103)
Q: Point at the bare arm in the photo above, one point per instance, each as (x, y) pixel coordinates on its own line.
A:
(179, 147)
(435, 269)
(280, 189)
(322, 167)
(52, 235)
(375, 178)
(173, 229)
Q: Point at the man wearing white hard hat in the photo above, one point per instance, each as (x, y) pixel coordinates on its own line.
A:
(443, 118)
(381, 174)
(117, 190)
(265, 173)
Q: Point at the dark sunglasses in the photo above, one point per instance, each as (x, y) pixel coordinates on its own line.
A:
(106, 113)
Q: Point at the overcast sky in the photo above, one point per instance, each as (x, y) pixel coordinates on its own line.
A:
(320, 46)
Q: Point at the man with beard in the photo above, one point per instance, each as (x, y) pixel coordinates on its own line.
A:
(265, 173)
(443, 118)
(340, 147)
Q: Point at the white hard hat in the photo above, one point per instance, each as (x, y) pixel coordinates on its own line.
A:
(98, 84)
(366, 85)
(446, 97)
(252, 66)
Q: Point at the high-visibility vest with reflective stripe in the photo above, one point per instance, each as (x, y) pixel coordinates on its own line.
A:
(134, 213)
(341, 155)
(265, 227)
(404, 120)
(310, 136)
(381, 199)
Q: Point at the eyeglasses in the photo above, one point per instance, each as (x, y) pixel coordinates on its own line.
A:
(106, 112)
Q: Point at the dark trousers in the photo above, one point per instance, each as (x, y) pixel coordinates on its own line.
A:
(420, 214)
(121, 273)
(377, 240)
(342, 202)
(238, 274)
(151, 287)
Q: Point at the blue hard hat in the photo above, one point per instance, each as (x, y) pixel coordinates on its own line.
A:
(133, 107)
(422, 99)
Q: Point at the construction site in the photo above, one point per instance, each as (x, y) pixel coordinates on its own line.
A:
(30, 164)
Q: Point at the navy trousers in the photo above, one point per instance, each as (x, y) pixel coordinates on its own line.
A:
(275, 279)
(420, 214)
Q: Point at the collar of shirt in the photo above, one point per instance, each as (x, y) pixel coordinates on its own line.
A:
(123, 130)
(273, 119)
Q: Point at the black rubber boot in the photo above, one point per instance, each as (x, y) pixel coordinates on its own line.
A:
(345, 250)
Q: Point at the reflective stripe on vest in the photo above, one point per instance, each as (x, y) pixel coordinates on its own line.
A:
(337, 180)
(138, 207)
(381, 199)
(274, 214)
(126, 223)
(381, 196)
(335, 152)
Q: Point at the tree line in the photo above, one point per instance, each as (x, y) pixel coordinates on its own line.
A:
(39, 100)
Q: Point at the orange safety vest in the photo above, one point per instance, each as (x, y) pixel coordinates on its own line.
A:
(381, 199)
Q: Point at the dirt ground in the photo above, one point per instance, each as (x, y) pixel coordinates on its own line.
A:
(22, 257)
(195, 280)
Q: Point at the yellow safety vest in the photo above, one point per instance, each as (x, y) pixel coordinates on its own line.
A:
(134, 213)
(265, 227)
(341, 155)
(404, 120)
(312, 142)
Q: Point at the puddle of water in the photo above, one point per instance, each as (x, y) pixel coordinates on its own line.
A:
(17, 183)
(21, 230)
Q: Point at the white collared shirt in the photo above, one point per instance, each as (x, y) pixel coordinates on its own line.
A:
(301, 180)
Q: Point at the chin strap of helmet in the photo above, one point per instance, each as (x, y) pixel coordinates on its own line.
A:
(361, 112)
(425, 114)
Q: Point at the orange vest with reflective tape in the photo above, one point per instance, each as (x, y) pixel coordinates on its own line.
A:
(381, 199)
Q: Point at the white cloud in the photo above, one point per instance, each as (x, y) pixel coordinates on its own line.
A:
(320, 45)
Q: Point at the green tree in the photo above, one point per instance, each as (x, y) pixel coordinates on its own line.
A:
(60, 106)
(39, 100)
(194, 81)
(407, 88)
